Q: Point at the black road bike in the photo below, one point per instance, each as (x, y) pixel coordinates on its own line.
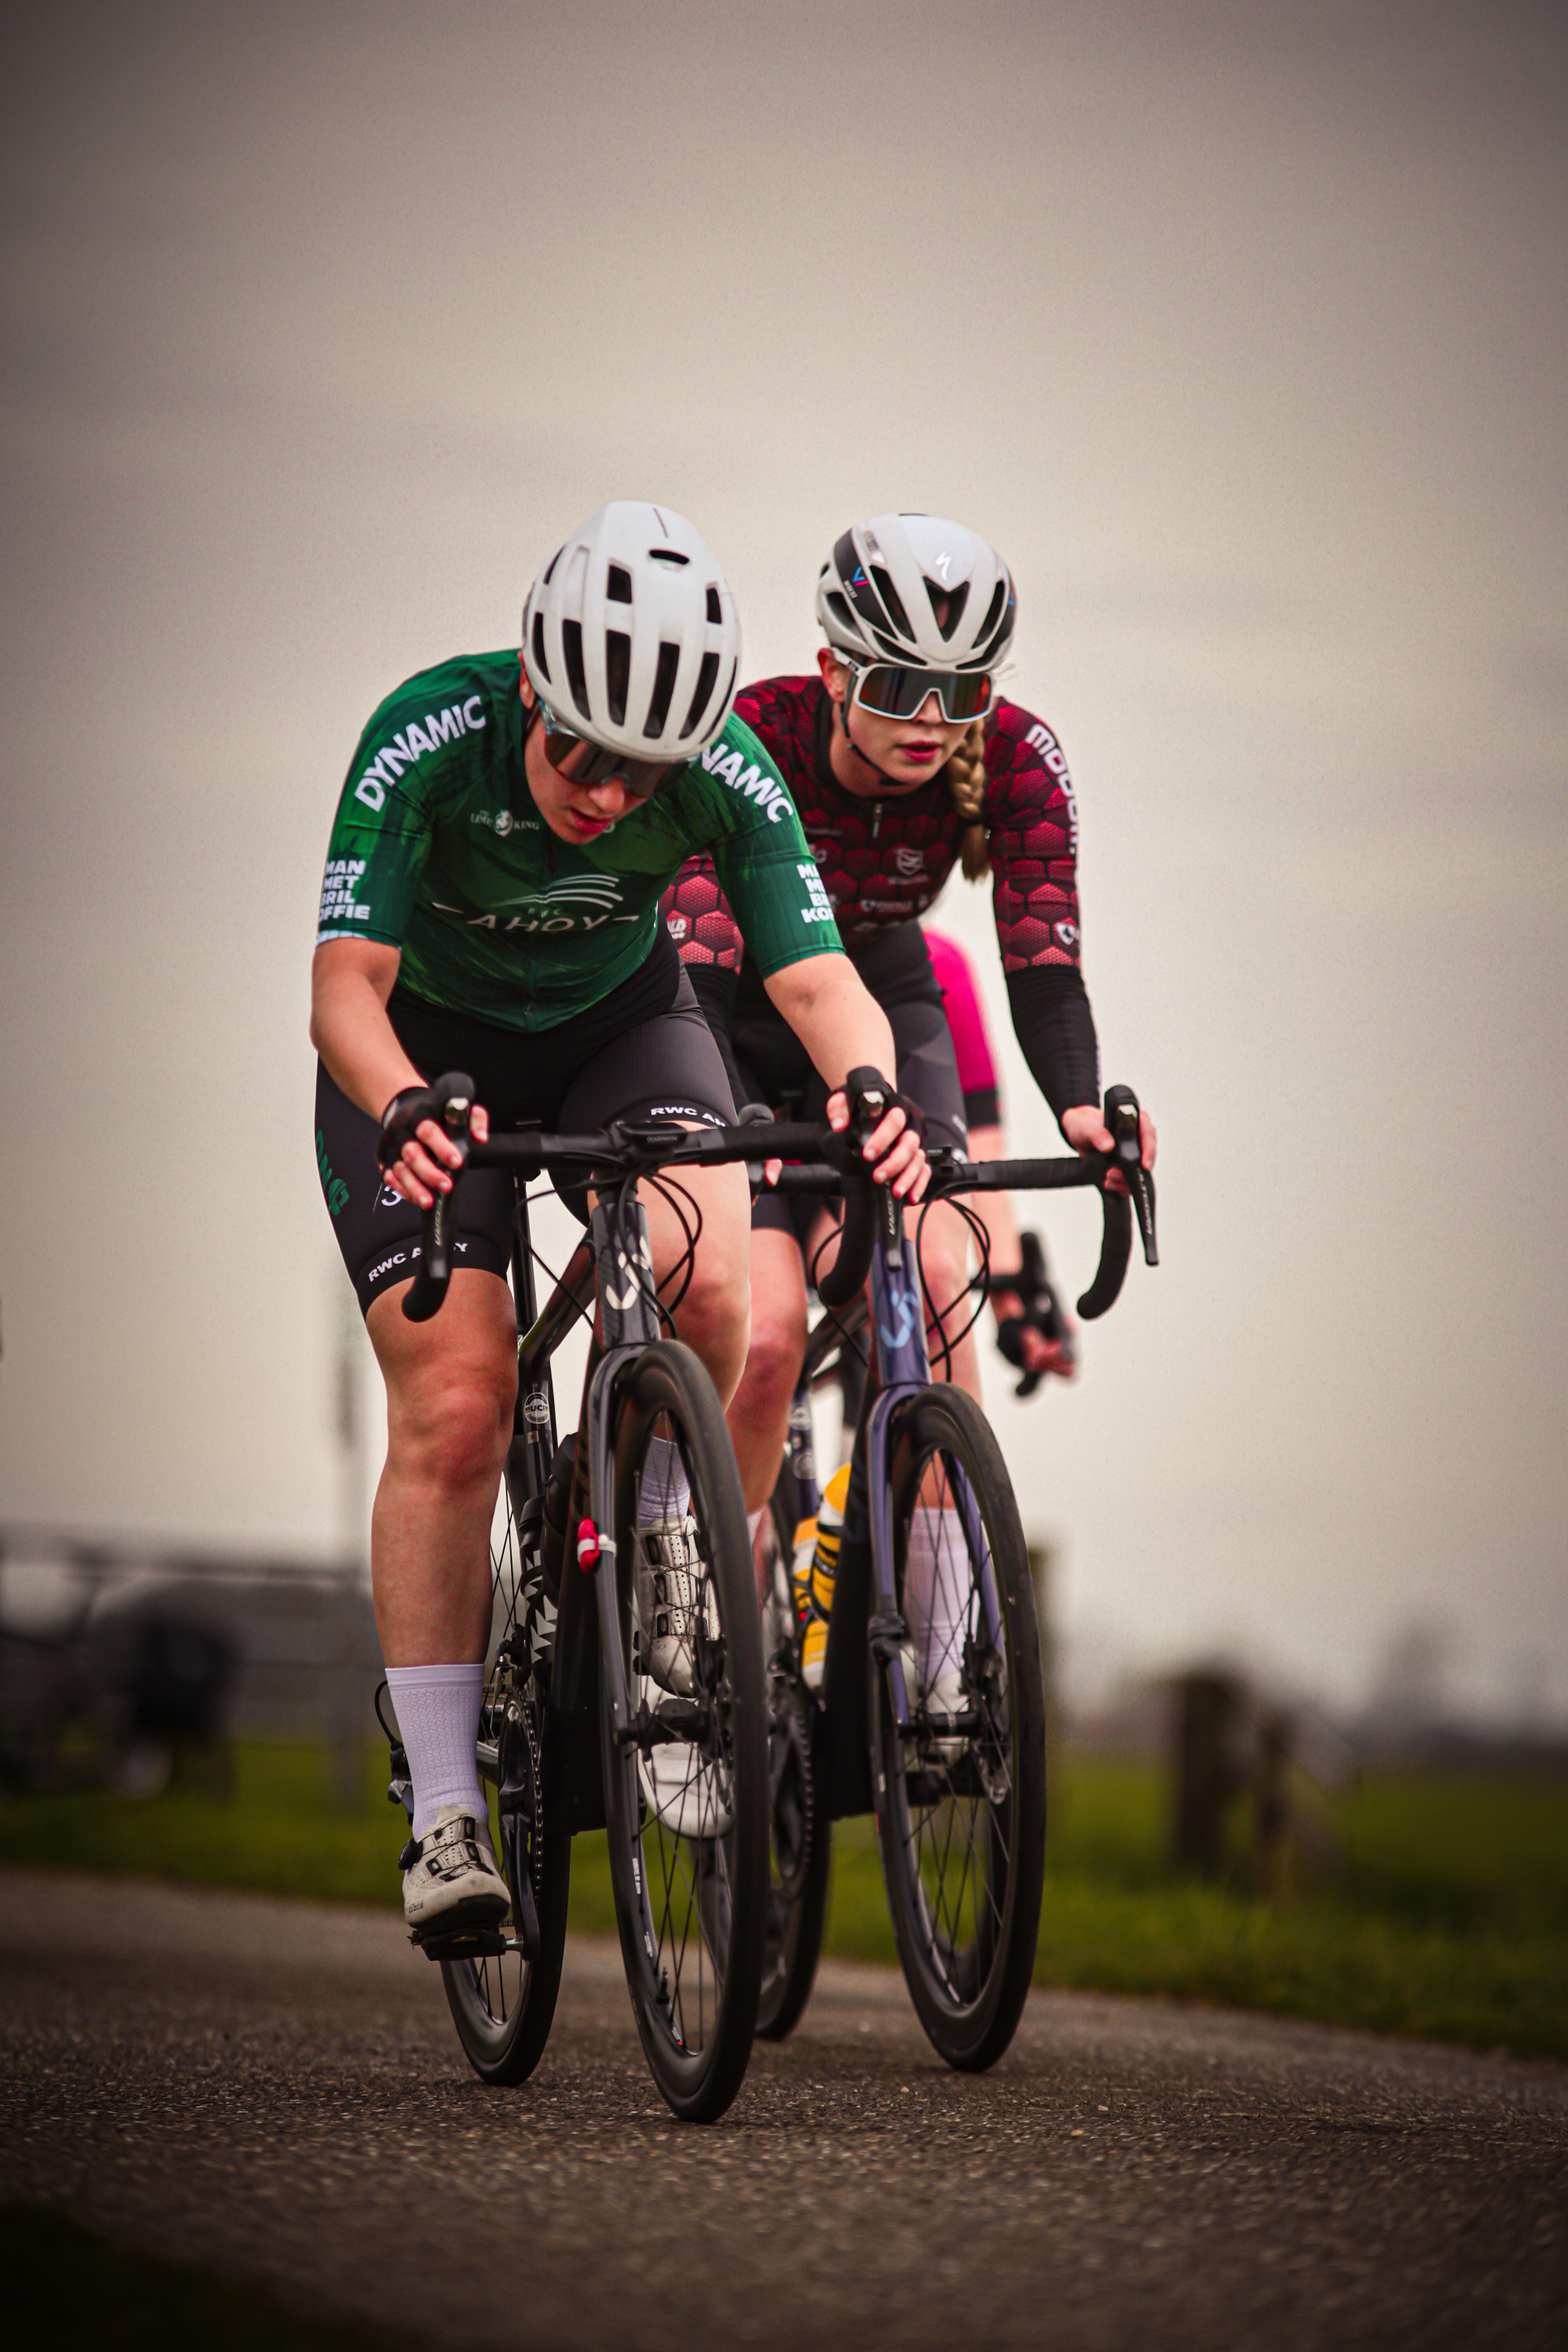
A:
(959, 1793)
(572, 1734)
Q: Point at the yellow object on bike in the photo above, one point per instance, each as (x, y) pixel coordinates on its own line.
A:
(814, 1565)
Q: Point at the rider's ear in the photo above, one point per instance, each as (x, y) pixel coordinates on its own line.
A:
(834, 676)
(524, 689)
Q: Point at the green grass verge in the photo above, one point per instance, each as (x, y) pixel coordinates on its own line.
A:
(1448, 1915)
(65, 2285)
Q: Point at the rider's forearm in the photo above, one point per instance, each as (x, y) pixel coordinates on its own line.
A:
(1054, 1024)
(350, 1029)
(836, 1017)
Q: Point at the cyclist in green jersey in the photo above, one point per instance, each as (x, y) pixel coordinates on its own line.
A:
(490, 904)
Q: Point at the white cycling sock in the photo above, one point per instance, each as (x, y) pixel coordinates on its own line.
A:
(438, 1711)
(938, 1582)
(666, 1491)
(753, 1521)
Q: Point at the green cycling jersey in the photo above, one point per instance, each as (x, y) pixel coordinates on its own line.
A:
(438, 850)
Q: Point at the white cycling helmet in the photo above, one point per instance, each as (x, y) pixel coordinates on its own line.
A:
(881, 590)
(631, 636)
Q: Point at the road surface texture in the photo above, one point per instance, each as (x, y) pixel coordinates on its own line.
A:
(275, 2089)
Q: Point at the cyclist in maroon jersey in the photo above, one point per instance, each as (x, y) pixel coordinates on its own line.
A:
(903, 760)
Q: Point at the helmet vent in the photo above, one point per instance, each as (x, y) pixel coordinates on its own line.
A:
(706, 676)
(617, 671)
(839, 608)
(544, 666)
(572, 646)
(550, 567)
(998, 606)
(947, 604)
(663, 686)
(670, 555)
(619, 589)
(891, 601)
(715, 609)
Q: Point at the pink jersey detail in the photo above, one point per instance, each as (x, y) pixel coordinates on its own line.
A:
(965, 1015)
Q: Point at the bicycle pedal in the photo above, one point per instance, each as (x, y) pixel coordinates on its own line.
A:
(463, 1944)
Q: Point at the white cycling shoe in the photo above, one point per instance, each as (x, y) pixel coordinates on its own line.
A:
(451, 1886)
(670, 1592)
(684, 1792)
(945, 1697)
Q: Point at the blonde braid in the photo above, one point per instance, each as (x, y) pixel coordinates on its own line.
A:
(966, 781)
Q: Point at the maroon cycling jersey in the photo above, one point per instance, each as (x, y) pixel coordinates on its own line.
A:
(883, 861)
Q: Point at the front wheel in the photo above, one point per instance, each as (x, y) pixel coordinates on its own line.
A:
(503, 2003)
(686, 1788)
(801, 1833)
(960, 1796)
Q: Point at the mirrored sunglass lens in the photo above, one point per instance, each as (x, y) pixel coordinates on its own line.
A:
(582, 763)
(895, 693)
(967, 697)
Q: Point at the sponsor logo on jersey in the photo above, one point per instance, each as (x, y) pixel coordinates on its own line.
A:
(340, 901)
(822, 851)
(819, 906)
(411, 744)
(909, 860)
(578, 902)
(1065, 934)
(1053, 760)
(678, 927)
(748, 778)
(501, 821)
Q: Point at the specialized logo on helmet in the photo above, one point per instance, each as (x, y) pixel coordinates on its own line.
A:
(422, 736)
(747, 777)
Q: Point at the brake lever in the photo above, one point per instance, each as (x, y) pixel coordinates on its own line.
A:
(1126, 1155)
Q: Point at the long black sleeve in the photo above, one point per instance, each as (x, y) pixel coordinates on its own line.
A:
(1054, 1022)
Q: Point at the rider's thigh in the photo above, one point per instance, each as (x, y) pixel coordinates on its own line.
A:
(714, 1314)
(451, 1381)
(778, 1310)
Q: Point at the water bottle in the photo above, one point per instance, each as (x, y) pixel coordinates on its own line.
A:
(812, 1573)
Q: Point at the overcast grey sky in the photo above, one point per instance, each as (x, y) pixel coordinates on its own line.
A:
(1239, 329)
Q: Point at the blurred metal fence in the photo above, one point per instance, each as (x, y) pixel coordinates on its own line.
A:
(110, 1650)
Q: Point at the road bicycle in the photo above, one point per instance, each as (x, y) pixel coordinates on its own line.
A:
(572, 1734)
(959, 1792)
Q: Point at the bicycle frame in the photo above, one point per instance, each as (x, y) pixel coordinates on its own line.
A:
(615, 1262)
(866, 1617)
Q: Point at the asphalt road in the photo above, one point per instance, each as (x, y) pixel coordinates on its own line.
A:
(275, 2089)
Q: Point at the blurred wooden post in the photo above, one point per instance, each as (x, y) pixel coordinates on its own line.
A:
(1271, 1806)
(347, 1723)
(1208, 1713)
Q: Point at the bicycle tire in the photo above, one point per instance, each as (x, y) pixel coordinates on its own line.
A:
(689, 1832)
(800, 1834)
(503, 2005)
(960, 1820)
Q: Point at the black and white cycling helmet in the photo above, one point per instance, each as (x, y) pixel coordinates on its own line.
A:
(882, 589)
(631, 636)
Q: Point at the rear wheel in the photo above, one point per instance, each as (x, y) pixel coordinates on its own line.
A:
(503, 2003)
(800, 1834)
(686, 1794)
(960, 1796)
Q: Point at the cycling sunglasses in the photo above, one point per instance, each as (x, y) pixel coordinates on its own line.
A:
(889, 691)
(586, 763)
